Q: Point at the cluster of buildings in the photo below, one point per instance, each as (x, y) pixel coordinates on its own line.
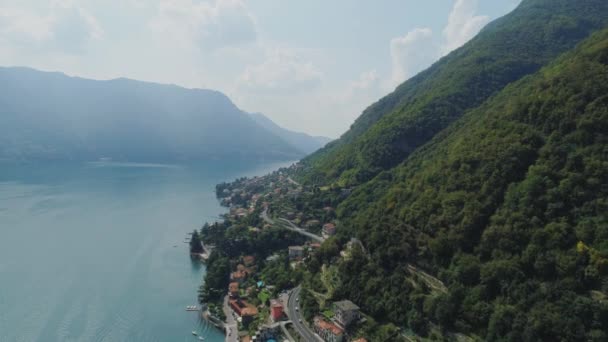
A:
(332, 329)
(238, 301)
(243, 198)
(247, 312)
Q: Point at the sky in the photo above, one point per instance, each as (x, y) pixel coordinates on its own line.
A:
(311, 66)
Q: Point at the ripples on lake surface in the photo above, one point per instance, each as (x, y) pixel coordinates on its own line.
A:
(87, 250)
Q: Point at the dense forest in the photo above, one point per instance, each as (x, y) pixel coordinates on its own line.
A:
(506, 50)
(507, 207)
(480, 187)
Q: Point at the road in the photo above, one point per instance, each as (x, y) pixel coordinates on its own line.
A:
(296, 318)
(290, 226)
(290, 180)
(231, 325)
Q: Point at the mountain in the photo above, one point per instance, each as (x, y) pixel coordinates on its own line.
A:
(506, 50)
(479, 188)
(507, 207)
(51, 116)
(301, 141)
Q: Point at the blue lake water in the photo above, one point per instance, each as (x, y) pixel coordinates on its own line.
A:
(95, 252)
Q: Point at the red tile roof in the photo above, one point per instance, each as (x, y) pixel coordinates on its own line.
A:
(325, 325)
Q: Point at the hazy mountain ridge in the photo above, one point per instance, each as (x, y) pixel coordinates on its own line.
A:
(53, 116)
(302, 141)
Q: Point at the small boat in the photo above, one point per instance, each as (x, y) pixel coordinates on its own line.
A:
(200, 338)
(194, 333)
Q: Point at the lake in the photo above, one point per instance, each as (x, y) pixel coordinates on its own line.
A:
(96, 252)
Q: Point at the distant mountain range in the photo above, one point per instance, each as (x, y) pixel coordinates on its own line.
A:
(302, 141)
(51, 116)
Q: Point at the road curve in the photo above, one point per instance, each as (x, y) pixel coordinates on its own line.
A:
(290, 226)
(297, 319)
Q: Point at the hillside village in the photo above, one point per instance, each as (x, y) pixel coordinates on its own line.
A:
(261, 298)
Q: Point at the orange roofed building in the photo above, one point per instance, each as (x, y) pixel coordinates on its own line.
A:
(244, 309)
(330, 332)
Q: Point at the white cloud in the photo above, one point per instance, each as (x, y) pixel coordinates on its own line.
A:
(207, 25)
(411, 53)
(20, 25)
(67, 27)
(463, 24)
(365, 87)
(418, 49)
(282, 71)
(366, 80)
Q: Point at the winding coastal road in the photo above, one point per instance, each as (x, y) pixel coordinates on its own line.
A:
(297, 319)
(290, 226)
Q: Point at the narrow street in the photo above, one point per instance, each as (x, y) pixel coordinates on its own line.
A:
(231, 323)
(290, 226)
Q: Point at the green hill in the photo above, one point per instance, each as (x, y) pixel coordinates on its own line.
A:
(508, 207)
(506, 50)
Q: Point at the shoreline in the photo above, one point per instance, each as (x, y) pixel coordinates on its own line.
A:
(237, 210)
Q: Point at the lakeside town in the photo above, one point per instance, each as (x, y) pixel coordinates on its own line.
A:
(275, 234)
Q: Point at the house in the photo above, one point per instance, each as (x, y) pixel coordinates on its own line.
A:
(276, 310)
(249, 260)
(327, 330)
(295, 252)
(243, 309)
(346, 312)
(233, 289)
(238, 276)
(329, 229)
(360, 339)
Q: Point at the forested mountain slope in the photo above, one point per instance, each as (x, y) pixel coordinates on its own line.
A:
(508, 207)
(507, 49)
